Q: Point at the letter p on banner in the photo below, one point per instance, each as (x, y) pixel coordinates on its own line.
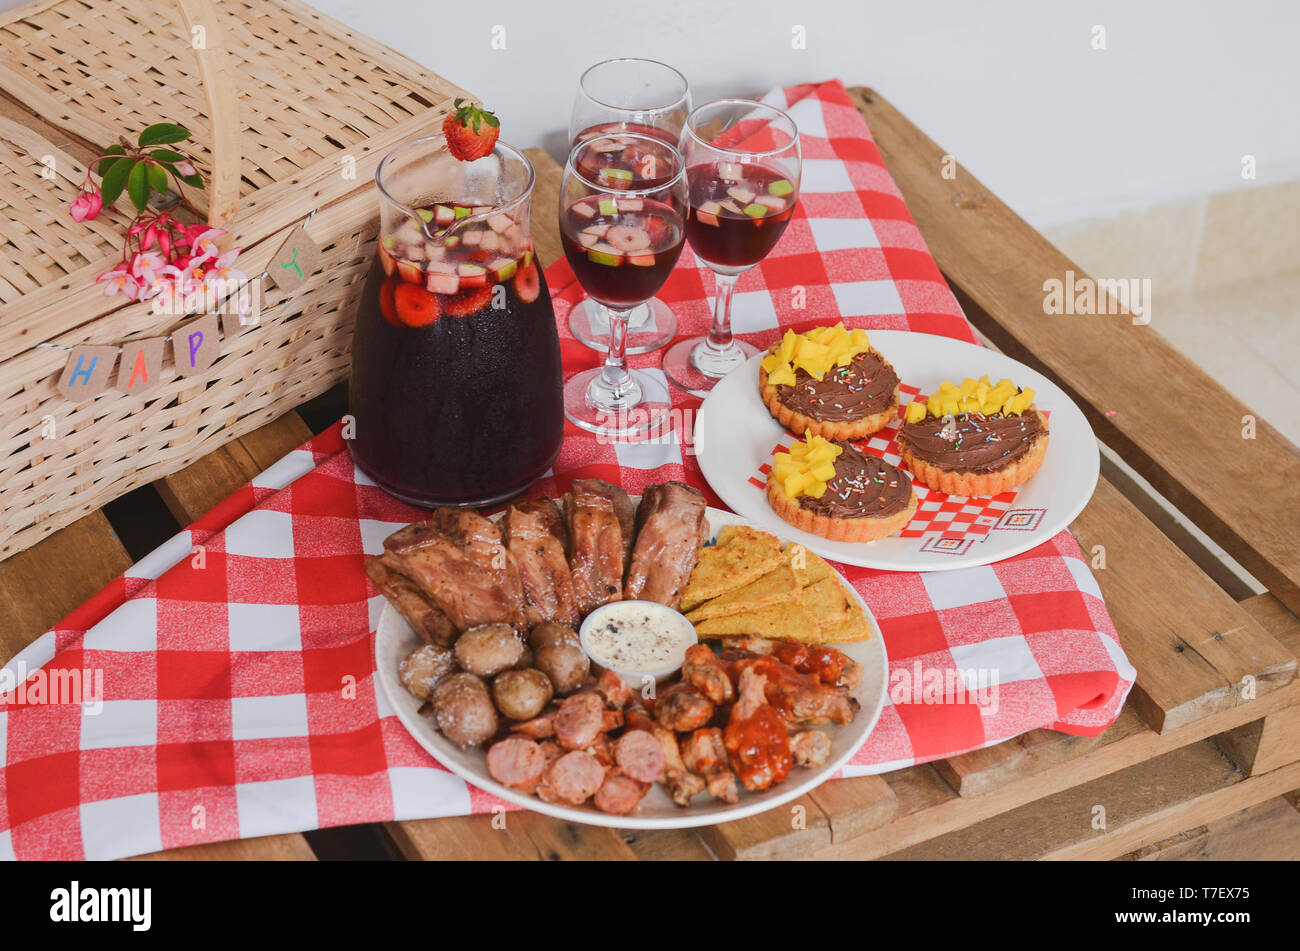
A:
(195, 344)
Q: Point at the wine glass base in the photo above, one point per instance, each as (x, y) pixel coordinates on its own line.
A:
(697, 369)
(644, 407)
(651, 325)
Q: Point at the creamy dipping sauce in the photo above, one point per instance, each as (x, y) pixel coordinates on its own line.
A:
(637, 637)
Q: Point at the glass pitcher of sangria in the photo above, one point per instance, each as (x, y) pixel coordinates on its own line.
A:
(456, 384)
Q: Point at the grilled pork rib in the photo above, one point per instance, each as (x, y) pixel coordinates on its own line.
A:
(601, 521)
(458, 560)
(535, 535)
(427, 619)
(670, 527)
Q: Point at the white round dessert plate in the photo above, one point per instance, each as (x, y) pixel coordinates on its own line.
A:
(735, 435)
(395, 639)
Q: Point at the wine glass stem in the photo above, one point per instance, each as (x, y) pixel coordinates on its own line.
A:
(615, 372)
(720, 333)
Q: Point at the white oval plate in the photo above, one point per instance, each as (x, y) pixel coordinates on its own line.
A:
(735, 434)
(395, 639)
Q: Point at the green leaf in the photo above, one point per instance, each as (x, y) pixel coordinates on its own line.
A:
(165, 155)
(115, 179)
(158, 179)
(194, 180)
(106, 164)
(137, 186)
(163, 133)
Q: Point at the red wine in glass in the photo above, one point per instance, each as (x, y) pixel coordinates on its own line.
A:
(621, 249)
(738, 212)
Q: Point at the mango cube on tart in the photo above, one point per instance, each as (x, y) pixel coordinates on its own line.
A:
(978, 438)
(839, 492)
(830, 382)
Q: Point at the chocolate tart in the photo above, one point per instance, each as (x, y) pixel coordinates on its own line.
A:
(974, 454)
(866, 500)
(850, 402)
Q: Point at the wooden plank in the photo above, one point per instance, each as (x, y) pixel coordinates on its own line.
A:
(668, 845)
(855, 805)
(1070, 819)
(1134, 387)
(556, 840)
(977, 772)
(1193, 646)
(1265, 744)
(928, 807)
(790, 831)
(1208, 806)
(1268, 832)
(271, 848)
(461, 838)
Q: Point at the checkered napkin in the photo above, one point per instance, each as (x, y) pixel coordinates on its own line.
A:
(952, 522)
(238, 686)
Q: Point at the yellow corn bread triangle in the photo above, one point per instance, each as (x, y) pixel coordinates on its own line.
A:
(853, 628)
(817, 568)
(796, 556)
(781, 584)
(786, 622)
(720, 570)
(742, 536)
(827, 603)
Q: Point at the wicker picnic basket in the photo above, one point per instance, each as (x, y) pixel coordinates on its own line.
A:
(291, 113)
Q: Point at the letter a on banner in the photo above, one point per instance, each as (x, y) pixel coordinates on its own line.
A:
(141, 366)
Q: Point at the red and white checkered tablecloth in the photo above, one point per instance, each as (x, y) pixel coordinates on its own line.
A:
(238, 692)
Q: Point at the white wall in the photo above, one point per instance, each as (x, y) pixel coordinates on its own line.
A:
(1013, 89)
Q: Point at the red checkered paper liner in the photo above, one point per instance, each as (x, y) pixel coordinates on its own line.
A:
(238, 695)
(938, 514)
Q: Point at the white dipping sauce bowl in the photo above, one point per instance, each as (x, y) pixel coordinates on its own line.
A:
(672, 623)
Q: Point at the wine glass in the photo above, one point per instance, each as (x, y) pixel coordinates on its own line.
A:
(743, 167)
(622, 226)
(628, 95)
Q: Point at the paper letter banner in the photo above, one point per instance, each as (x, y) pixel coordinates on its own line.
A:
(295, 261)
(195, 344)
(141, 365)
(87, 372)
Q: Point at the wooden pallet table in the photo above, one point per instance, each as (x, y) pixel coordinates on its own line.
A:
(1203, 761)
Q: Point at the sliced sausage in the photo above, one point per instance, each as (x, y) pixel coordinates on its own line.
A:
(619, 795)
(579, 720)
(640, 756)
(575, 777)
(517, 762)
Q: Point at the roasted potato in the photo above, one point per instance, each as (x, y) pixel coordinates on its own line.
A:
(421, 670)
(521, 694)
(548, 632)
(488, 649)
(565, 663)
(463, 710)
